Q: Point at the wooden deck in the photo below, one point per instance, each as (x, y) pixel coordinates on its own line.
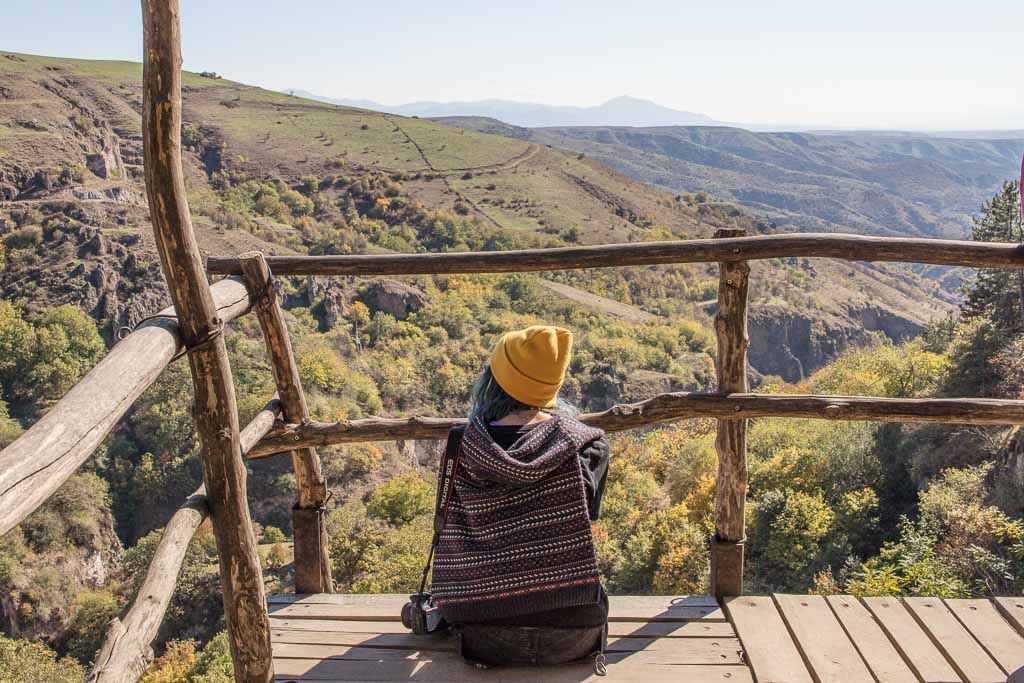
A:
(691, 639)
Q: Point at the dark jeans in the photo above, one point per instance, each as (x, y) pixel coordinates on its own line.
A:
(496, 645)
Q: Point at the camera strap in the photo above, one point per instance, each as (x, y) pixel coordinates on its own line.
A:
(445, 486)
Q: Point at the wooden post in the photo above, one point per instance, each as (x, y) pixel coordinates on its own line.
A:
(216, 416)
(312, 559)
(731, 440)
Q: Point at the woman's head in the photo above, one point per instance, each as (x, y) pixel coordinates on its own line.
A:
(526, 371)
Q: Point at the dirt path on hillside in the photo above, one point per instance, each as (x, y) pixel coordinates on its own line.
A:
(627, 312)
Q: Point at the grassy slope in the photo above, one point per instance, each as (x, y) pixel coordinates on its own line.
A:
(508, 183)
(875, 183)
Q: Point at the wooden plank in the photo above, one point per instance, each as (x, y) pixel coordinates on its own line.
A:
(992, 631)
(322, 611)
(688, 650)
(376, 607)
(395, 641)
(706, 650)
(827, 245)
(962, 651)
(770, 650)
(960, 648)
(390, 611)
(39, 461)
(641, 629)
(874, 647)
(672, 651)
(312, 558)
(1013, 610)
(346, 600)
(216, 415)
(664, 608)
(914, 644)
(335, 625)
(671, 629)
(447, 670)
(668, 408)
(731, 436)
(823, 643)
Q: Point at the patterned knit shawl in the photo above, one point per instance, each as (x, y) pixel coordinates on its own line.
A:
(517, 539)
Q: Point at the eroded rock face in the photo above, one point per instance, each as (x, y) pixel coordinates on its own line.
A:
(327, 296)
(392, 297)
(84, 266)
(792, 346)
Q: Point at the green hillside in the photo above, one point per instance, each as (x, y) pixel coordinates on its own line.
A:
(354, 180)
(873, 183)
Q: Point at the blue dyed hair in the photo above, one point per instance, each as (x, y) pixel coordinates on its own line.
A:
(491, 402)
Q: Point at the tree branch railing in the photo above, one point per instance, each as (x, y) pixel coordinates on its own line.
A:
(666, 408)
(127, 648)
(722, 250)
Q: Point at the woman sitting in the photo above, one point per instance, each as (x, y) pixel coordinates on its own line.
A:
(515, 571)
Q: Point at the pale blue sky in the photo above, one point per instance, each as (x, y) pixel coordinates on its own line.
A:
(867, 63)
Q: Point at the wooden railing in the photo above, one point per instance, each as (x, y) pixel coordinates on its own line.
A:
(729, 249)
(38, 462)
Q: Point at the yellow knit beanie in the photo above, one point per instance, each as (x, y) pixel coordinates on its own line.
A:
(530, 364)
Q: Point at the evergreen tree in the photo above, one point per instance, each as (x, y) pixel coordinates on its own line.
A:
(999, 294)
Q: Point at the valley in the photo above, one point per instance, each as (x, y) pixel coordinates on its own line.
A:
(864, 182)
(70, 154)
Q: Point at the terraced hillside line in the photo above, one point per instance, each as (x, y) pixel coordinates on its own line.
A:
(509, 164)
(415, 144)
(622, 311)
(608, 198)
(441, 174)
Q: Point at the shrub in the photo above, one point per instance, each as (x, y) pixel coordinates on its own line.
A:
(795, 542)
(277, 557)
(401, 499)
(324, 369)
(174, 666)
(22, 661)
(91, 613)
(214, 663)
(271, 534)
(28, 237)
(296, 203)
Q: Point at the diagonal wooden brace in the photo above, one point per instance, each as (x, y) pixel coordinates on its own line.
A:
(312, 559)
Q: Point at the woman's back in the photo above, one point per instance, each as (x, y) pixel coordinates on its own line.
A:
(517, 539)
(514, 568)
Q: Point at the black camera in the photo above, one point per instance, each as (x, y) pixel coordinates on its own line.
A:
(421, 615)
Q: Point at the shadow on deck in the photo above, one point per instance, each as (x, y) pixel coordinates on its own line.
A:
(656, 639)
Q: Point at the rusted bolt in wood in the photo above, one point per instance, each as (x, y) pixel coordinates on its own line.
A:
(728, 282)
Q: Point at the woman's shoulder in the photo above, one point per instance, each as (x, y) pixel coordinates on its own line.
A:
(586, 434)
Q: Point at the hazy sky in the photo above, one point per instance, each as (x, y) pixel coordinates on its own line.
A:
(898, 63)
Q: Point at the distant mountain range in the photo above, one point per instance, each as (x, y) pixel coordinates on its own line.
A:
(619, 111)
